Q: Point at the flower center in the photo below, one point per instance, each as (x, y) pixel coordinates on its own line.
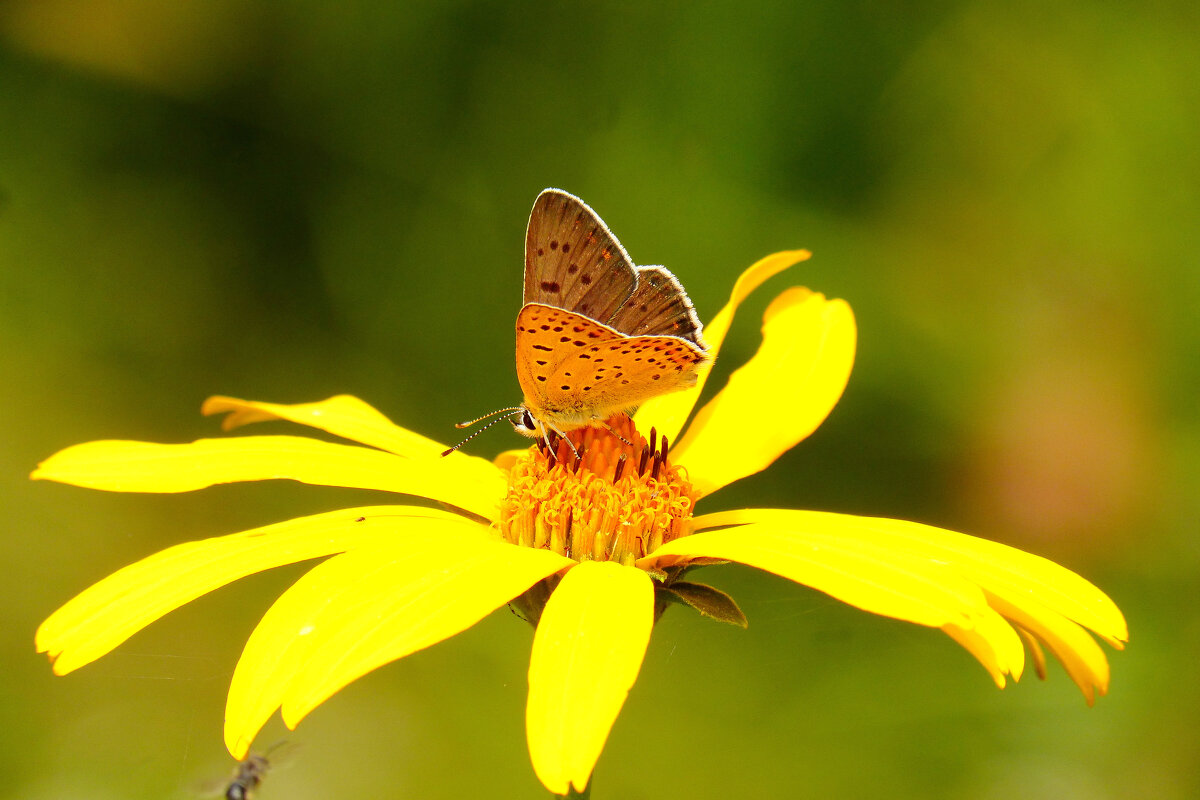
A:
(606, 495)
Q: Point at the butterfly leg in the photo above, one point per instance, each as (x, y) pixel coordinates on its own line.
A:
(547, 428)
(604, 424)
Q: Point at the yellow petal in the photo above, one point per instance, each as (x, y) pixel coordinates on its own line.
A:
(345, 416)
(668, 412)
(109, 612)
(1035, 648)
(1080, 655)
(506, 459)
(877, 579)
(356, 612)
(1041, 597)
(126, 466)
(995, 644)
(999, 569)
(778, 398)
(586, 655)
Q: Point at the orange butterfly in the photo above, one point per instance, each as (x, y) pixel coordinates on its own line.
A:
(597, 335)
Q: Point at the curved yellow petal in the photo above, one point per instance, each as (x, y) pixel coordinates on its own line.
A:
(668, 412)
(342, 415)
(109, 612)
(1001, 570)
(994, 644)
(779, 397)
(1031, 592)
(881, 580)
(1080, 655)
(587, 651)
(1035, 648)
(506, 459)
(127, 466)
(359, 611)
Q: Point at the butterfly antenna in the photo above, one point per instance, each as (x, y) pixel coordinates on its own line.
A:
(485, 416)
(511, 412)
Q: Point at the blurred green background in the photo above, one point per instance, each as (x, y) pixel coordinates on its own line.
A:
(285, 201)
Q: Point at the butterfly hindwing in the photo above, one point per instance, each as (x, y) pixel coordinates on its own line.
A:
(572, 259)
(658, 307)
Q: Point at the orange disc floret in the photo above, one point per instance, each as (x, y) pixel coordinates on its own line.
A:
(604, 494)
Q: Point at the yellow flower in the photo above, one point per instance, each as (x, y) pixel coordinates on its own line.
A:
(590, 539)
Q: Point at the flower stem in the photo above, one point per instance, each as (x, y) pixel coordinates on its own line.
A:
(584, 795)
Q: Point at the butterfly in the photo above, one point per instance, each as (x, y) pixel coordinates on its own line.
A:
(596, 335)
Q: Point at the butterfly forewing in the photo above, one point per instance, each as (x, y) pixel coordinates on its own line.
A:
(572, 260)
(573, 369)
(658, 307)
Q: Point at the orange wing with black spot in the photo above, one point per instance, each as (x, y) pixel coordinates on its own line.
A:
(574, 370)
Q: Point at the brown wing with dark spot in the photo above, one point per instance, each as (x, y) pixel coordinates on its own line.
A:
(658, 307)
(572, 259)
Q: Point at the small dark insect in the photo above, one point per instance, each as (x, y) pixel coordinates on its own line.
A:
(248, 776)
(250, 771)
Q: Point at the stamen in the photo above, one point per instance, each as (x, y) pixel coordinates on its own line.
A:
(620, 467)
(653, 433)
(664, 448)
(560, 450)
(644, 459)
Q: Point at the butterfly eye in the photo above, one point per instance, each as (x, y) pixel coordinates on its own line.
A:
(525, 423)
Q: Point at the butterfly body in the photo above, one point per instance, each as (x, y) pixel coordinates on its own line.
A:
(596, 335)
